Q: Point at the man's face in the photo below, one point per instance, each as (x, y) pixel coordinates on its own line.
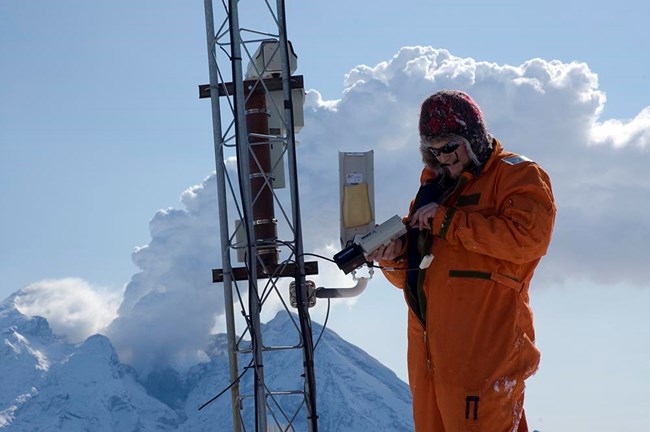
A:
(451, 154)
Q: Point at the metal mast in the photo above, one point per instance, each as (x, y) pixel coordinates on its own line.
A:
(254, 121)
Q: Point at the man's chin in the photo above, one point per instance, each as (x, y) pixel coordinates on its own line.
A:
(453, 171)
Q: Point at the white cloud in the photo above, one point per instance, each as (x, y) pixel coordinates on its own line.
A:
(619, 133)
(549, 111)
(74, 308)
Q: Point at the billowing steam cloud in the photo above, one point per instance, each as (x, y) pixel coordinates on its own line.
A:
(170, 306)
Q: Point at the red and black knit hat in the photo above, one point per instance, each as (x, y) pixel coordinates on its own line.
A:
(455, 112)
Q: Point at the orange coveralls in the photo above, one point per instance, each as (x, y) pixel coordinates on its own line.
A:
(469, 355)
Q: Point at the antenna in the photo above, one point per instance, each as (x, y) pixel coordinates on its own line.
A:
(255, 117)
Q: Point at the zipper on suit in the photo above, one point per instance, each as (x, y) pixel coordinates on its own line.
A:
(426, 349)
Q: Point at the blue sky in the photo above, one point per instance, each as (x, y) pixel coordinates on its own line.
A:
(101, 126)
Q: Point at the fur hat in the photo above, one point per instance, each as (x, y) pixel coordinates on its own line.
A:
(454, 112)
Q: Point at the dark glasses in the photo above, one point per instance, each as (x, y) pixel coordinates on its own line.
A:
(447, 148)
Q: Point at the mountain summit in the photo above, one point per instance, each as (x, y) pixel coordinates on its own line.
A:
(47, 384)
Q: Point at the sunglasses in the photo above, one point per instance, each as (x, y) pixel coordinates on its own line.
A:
(447, 148)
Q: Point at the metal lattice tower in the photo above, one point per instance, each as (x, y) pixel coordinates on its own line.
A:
(271, 246)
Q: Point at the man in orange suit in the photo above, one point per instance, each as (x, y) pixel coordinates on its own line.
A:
(477, 228)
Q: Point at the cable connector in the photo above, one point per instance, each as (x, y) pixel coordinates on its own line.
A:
(355, 255)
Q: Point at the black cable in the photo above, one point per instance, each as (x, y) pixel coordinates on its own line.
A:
(318, 256)
(369, 264)
(246, 369)
(393, 268)
(327, 315)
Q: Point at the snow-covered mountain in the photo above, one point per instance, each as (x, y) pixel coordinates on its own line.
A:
(47, 384)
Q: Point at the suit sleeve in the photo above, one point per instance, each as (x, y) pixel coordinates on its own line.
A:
(519, 232)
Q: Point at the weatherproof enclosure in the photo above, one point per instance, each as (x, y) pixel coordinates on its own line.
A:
(357, 193)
